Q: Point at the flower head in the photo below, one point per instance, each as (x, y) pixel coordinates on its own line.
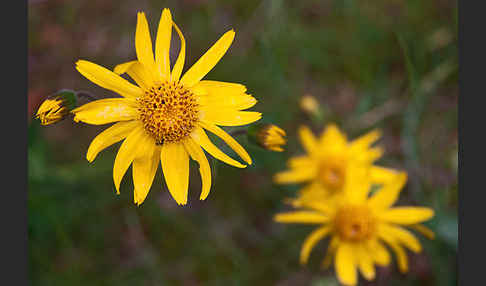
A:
(165, 116)
(359, 225)
(268, 136)
(56, 107)
(309, 104)
(326, 165)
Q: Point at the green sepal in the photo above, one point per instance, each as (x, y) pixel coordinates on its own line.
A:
(252, 132)
(69, 97)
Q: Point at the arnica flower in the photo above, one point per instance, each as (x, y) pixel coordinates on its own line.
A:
(268, 136)
(56, 107)
(309, 104)
(325, 166)
(359, 226)
(164, 117)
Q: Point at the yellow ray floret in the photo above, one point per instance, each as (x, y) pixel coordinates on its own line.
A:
(359, 226)
(164, 115)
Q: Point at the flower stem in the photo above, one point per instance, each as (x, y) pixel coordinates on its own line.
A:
(87, 95)
(239, 132)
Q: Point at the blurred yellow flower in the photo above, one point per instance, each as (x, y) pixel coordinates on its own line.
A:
(163, 117)
(325, 166)
(358, 226)
(268, 136)
(309, 104)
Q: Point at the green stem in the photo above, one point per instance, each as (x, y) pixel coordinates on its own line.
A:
(239, 132)
(87, 95)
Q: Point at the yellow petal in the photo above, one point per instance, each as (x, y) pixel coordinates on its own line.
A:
(105, 111)
(365, 141)
(388, 194)
(297, 175)
(107, 79)
(311, 241)
(201, 138)
(379, 252)
(301, 217)
(333, 137)
(357, 188)
(316, 197)
(365, 262)
(406, 215)
(123, 68)
(137, 72)
(208, 60)
(233, 101)
(372, 154)
(400, 235)
(425, 231)
(381, 175)
(197, 154)
(135, 143)
(219, 87)
(143, 172)
(228, 139)
(179, 64)
(320, 206)
(110, 136)
(223, 94)
(345, 265)
(300, 161)
(143, 43)
(175, 165)
(331, 250)
(162, 44)
(228, 117)
(307, 139)
(400, 254)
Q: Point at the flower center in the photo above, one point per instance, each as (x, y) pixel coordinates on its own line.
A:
(168, 111)
(332, 173)
(354, 223)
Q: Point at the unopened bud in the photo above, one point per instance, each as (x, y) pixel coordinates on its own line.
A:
(56, 107)
(268, 136)
(309, 104)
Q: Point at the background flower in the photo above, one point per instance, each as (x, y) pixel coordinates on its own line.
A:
(359, 226)
(369, 65)
(324, 168)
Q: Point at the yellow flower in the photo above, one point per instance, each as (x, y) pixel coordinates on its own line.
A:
(325, 166)
(268, 136)
(358, 226)
(55, 108)
(309, 104)
(164, 117)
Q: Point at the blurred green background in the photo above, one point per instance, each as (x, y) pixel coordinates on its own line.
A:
(389, 64)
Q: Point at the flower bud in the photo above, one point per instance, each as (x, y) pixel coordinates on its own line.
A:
(56, 107)
(309, 104)
(268, 136)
